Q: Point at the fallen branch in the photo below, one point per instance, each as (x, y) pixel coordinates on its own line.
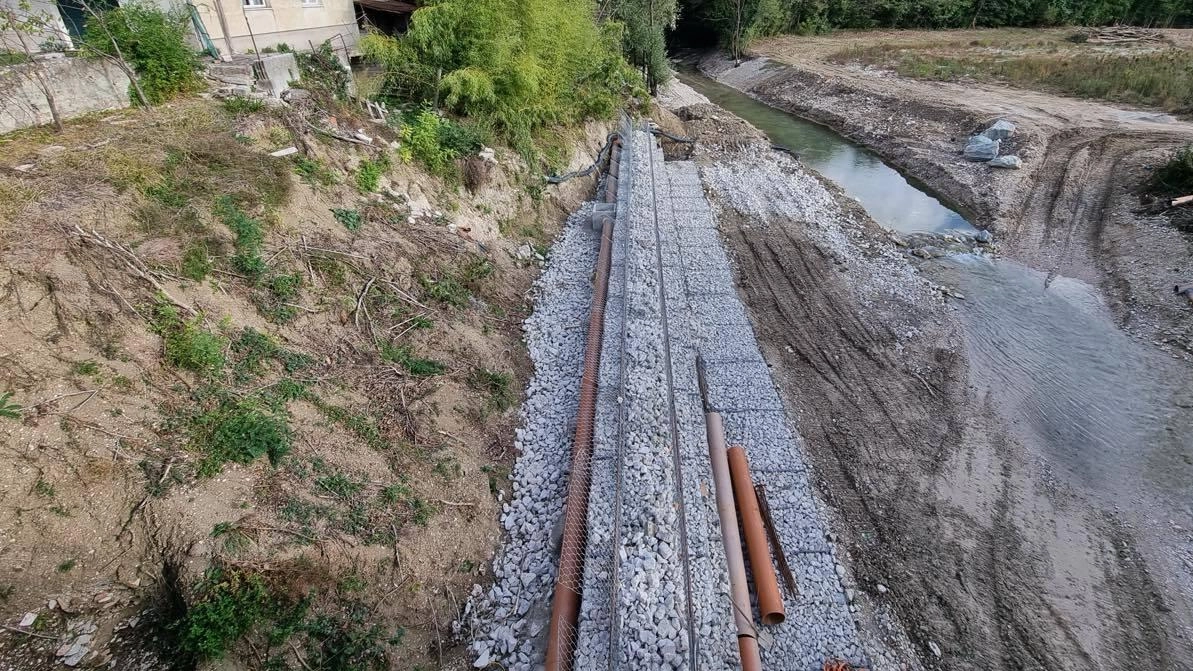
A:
(29, 633)
(132, 262)
(1183, 200)
(360, 302)
(337, 136)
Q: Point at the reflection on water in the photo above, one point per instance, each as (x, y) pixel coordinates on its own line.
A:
(1070, 381)
(887, 195)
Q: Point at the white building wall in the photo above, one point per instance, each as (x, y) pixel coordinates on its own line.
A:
(290, 22)
(42, 11)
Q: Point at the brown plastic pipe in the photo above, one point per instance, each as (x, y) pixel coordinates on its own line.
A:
(565, 606)
(739, 592)
(766, 584)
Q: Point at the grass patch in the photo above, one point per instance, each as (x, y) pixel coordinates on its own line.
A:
(314, 172)
(242, 106)
(88, 367)
(1174, 178)
(8, 409)
(254, 350)
(498, 386)
(1161, 79)
(339, 485)
(229, 603)
(67, 566)
(239, 430)
(250, 237)
(187, 343)
(405, 357)
(196, 261)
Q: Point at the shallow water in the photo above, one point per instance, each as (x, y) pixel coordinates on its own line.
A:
(887, 195)
(1098, 403)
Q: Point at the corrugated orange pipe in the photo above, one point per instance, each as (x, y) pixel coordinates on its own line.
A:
(766, 584)
(565, 607)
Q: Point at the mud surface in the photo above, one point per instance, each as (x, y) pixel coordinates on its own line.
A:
(962, 532)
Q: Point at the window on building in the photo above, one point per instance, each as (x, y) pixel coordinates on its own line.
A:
(312, 3)
(255, 3)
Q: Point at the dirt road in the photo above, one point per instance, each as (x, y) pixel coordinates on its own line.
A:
(960, 535)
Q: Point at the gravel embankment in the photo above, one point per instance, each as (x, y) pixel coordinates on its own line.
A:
(655, 552)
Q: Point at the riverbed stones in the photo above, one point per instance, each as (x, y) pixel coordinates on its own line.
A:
(980, 148)
(1010, 161)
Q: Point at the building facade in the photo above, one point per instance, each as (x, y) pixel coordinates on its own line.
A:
(241, 26)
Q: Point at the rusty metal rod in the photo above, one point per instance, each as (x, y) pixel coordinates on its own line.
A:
(766, 584)
(773, 534)
(739, 591)
(565, 606)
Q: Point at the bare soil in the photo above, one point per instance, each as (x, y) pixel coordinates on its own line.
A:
(986, 558)
(104, 520)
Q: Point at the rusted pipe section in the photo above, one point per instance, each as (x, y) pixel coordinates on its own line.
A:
(565, 606)
(747, 642)
(766, 584)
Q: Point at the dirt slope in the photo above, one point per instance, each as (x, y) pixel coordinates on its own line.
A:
(210, 308)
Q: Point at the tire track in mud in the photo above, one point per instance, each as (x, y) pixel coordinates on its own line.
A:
(972, 587)
(1064, 214)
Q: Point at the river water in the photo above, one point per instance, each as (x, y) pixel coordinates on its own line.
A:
(1100, 407)
(890, 198)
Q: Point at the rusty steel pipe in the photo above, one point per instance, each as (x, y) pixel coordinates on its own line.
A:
(565, 605)
(766, 584)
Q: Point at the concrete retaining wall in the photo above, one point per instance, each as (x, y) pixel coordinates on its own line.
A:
(79, 86)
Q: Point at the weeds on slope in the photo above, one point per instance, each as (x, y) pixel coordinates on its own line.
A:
(1161, 79)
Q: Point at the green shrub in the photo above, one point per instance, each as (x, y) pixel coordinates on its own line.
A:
(351, 219)
(154, 42)
(437, 142)
(1175, 178)
(321, 71)
(228, 605)
(242, 105)
(187, 343)
(239, 431)
(196, 262)
(517, 72)
(368, 175)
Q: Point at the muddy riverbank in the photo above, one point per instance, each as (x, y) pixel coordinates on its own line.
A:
(967, 529)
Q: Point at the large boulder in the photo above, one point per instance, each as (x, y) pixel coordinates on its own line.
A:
(1010, 161)
(980, 148)
(1000, 130)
